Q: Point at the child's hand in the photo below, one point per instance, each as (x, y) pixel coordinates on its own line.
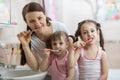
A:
(46, 53)
(70, 43)
(80, 43)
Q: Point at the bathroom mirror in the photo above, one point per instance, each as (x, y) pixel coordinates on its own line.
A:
(5, 11)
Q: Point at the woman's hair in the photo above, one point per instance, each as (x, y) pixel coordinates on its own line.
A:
(31, 7)
(56, 36)
(98, 28)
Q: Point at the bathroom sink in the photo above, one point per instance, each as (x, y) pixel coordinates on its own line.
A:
(22, 75)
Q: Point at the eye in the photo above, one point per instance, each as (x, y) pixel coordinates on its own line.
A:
(39, 18)
(32, 21)
(54, 44)
(92, 31)
(61, 43)
(84, 32)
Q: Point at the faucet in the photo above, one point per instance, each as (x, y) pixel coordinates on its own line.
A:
(11, 66)
(8, 66)
(2, 65)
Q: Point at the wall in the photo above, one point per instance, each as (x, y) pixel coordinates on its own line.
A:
(8, 33)
(77, 10)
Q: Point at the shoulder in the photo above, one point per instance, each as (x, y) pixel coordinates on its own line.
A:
(104, 54)
(57, 24)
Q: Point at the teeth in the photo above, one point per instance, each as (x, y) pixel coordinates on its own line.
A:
(55, 51)
(36, 29)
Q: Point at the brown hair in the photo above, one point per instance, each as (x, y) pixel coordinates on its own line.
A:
(56, 36)
(31, 7)
(98, 27)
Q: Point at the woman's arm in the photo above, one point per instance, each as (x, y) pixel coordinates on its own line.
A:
(104, 67)
(31, 59)
(24, 38)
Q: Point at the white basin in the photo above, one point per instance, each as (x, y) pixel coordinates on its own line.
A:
(22, 75)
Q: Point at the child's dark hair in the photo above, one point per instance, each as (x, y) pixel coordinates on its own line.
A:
(55, 36)
(98, 27)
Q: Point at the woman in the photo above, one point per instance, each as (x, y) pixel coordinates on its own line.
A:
(39, 28)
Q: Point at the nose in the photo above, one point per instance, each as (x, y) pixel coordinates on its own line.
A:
(89, 33)
(37, 23)
(57, 45)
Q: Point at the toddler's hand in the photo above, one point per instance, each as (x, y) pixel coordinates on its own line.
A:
(46, 53)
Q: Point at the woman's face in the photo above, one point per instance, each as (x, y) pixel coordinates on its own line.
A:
(36, 20)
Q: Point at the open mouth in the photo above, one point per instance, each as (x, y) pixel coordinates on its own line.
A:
(89, 40)
(55, 51)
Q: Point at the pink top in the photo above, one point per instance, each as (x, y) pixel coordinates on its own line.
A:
(58, 67)
(89, 69)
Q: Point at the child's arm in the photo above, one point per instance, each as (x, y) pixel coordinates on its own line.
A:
(45, 60)
(72, 59)
(104, 67)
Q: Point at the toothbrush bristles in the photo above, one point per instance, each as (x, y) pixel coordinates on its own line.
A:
(55, 51)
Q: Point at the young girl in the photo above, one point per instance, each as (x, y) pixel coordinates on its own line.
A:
(91, 56)
(56, 55)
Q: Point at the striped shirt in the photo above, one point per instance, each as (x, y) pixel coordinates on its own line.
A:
(89, 69)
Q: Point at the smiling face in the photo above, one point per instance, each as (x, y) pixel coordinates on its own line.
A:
(36, 20)
(89, 31)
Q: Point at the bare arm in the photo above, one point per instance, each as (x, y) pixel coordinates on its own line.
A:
(45, 60)
(24, 38)
(104, 67)
(31, 59)
(72, 59)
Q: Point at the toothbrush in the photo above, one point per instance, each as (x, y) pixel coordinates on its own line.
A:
(11, 55)
(54, 51)
(87, 41)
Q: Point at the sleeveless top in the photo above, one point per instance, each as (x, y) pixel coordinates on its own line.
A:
(58, 67)
(89, 69)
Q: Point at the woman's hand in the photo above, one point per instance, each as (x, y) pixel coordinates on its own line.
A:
(24, 37)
